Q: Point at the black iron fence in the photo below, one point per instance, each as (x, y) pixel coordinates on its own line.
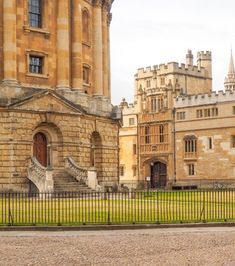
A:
(117, 208)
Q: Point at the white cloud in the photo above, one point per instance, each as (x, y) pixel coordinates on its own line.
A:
(150, 32)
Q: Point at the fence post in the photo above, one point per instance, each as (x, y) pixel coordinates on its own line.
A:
(10, 218)
(204, 206)
(108, 208)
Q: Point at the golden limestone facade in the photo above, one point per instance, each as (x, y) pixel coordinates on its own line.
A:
(182, 131)
(205, 136)
(57, 123)
(178, 132)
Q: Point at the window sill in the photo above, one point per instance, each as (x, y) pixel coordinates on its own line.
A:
(37, 30)
(86, 85)
(34, 75)
(190, 158)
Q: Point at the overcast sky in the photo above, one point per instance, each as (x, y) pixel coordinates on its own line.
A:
(150, 32)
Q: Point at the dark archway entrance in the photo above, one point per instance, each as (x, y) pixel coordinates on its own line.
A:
(158, 175)
(40, 149)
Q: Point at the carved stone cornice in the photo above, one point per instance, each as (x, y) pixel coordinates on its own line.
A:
(106, 4)
(98, 3)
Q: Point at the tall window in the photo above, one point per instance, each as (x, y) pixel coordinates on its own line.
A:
(148, 83)
(233, 142)
(161, 133)
(134, 149)
(35, 64)
(35, 13)
(210, 143)
(121, 170)
(190, 147)
(147, 135)
(85, 26)
(160, 104)
(153, 105)
(191, 169)
(86, 75)
(134, 168)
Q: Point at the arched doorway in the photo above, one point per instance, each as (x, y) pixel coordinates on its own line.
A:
(158, 175)
(40, 148)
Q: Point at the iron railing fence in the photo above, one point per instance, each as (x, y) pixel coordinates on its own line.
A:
(178, 184)
(73, 208)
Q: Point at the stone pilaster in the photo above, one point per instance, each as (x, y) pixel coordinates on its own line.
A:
(109, 18)
(9, 42)
(105, 51)
(63, 54)
(77, 80)
(97, 48)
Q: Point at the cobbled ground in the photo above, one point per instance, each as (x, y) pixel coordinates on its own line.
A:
(184, 246)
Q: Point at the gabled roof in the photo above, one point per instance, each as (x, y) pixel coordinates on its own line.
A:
(46, 100)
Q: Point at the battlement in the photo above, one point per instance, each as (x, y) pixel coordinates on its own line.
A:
(203, 99)
(200, 70)
(204, 54)
(171, 67)
(144, 71)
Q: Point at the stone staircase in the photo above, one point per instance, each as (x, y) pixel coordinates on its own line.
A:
(64, 182)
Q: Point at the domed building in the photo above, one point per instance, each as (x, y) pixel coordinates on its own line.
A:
(58, 128)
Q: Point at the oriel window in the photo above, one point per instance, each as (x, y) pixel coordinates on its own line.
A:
(35, 13)
(35, 64)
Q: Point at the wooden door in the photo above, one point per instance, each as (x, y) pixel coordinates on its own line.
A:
(40, 148)
(158, 175)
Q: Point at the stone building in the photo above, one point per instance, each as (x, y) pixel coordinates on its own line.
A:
(57, 123)
(205, 136)
(162, 122)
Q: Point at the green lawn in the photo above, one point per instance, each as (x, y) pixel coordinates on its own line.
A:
(141, 207)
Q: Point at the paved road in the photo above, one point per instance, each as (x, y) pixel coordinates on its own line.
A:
(184, 246)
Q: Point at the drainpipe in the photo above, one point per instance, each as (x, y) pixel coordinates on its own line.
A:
(137, 148)
(174, 148)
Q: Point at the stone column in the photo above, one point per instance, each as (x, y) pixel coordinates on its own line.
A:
(108, 55)
(97, 48)
(63, 62)
(105, 50)
(77, 79)
(9, 43)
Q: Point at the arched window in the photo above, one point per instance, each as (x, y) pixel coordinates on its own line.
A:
(85, 26)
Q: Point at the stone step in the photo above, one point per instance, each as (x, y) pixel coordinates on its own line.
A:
(63, 182)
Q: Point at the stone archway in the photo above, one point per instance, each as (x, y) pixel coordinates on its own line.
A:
(48, 145)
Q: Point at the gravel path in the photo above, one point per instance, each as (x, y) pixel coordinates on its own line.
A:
(185, 246)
